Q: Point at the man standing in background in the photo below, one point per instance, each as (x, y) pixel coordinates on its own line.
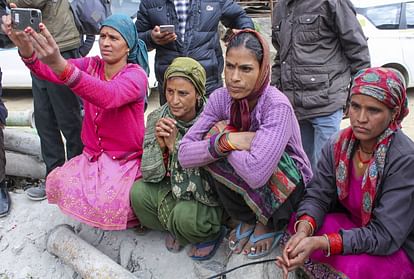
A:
(5, 201)
(196, 34)
(319, 45)
(56, 108)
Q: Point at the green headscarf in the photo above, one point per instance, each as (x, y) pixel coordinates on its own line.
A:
(123, 24)
(188, 68)
(186, 184)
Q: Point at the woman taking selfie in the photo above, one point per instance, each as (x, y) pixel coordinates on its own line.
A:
(94, 186)
(249, 141)
(358, 209)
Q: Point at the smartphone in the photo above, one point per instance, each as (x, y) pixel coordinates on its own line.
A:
(25, 17)
(167, 28)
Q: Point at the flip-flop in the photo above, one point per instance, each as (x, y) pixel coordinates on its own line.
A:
(171, 249)
(233, 245)
(216, 242)
(254, 239)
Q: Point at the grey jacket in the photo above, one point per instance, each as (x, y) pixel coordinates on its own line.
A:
(201, 42)
(58, 19)
(319, 44)
(392, 225)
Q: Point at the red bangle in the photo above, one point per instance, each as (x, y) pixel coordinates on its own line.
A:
(230, 128)
(310, 219)
(335, 243)
(66, 72)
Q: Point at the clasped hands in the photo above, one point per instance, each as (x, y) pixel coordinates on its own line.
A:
(299, 248)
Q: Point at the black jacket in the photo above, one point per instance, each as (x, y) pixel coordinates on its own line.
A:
(201, 41)
(3, 41)
(320, 46)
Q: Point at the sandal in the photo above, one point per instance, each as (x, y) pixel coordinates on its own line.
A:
(233, 245)
(216, 242)
(172, 248)
(141, 230)
(254, 239)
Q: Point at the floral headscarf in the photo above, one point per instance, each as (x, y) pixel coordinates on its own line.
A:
(387, 86)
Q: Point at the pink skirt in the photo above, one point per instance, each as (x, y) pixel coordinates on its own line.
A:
(394, 266)
(95, 192)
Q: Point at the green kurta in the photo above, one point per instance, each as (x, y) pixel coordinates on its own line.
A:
(183, 202)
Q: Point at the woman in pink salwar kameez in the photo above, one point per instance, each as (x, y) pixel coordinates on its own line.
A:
(94, 186)
(356, 219)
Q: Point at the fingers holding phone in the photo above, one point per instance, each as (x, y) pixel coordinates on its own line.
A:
(163, 34)
(26, 17)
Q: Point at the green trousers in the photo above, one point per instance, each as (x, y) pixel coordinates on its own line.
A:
(188, 221)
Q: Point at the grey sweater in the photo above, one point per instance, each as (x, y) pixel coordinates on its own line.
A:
(392, 223)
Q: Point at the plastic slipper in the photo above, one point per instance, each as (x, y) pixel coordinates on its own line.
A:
(233, 245)
(171, 249)
(216, 242)
(254, 239)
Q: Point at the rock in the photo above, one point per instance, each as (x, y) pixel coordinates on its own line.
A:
(4, 244)
(126, 248)
(17, 249)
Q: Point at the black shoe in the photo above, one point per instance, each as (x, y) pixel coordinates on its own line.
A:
(5, 200)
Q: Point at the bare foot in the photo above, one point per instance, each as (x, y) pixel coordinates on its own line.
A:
(239, 244)
(200, 252)
(261, 245)
(172, 244)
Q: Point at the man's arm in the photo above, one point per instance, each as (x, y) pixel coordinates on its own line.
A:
(144, 26)
(233, 16)
(351, 36)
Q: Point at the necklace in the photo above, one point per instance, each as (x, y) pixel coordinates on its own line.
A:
(366, 152)
(361, 162)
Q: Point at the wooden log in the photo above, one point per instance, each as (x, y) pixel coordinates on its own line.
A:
(23, 165)
(25, 142)
(85, 259)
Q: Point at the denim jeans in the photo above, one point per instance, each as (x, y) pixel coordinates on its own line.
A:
(316, 131)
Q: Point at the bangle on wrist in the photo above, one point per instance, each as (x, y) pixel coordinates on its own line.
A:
(295, 227)
(328, 251)
(66, 72)
(335, 243)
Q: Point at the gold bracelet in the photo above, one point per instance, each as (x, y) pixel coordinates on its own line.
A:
(328, 253)
(309, 223)
(229, 142)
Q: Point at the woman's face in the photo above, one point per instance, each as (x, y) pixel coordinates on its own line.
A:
(241, 72)
(369, 117)
(112, 45)
(181, 98)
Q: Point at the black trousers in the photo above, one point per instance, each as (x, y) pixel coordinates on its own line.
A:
(2, 157)
(56, 110)
(237, 208)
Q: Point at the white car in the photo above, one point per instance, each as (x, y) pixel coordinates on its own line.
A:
(389, 28)
(17, 76)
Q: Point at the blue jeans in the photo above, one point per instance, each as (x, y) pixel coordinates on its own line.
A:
(316, 131)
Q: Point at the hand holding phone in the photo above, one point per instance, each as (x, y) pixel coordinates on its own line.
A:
(25, 17)
(167, 28)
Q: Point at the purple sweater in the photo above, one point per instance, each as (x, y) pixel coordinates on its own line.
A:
(276, 128)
